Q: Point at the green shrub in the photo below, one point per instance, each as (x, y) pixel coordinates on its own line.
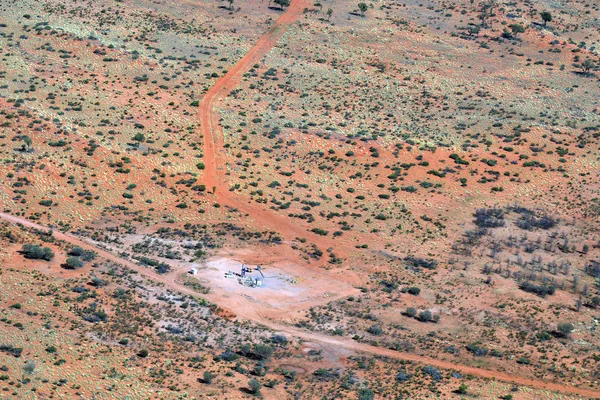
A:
(35, 252)
(254, 386)
(366, 394)
(263, 351)
(76, 251)
(208, 377)
(564, 329)
(414, 290)
(375, 330)
(320, 231)
(73, 263)
(143, 353)
(228, 355)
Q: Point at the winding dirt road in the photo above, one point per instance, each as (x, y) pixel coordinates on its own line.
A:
(214, 158)
(215, 162)
(340, 345)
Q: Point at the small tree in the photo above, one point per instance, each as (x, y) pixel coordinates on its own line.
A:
(143, 353)
(97, 282)
(279, 340)
(402, 376)
(29, 367)
(546, 17)
(586, 66)
(32, 251)
(516, 29)
(283, 3)
(363, 8)
(254, 386)
(208, 377)
(47, 254)
(36, 252)
(230, 4)
(263, 351)
(27, 141)
(414, 290)
(473, 30)
(329, 13)
(366, 394)
(579, 303)
(411, 311)
(462, 389)
(74, 263)
(487, 11)
(425, 316)
(259, 369)
(76, 251)
(565, 329)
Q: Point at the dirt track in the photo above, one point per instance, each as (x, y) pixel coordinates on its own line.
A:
(214, 175)
(214, 155)
(213, 135)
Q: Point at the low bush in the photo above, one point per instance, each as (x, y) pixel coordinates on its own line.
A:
(35, 252)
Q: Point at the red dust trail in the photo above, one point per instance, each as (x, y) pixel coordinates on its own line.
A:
(214, 157)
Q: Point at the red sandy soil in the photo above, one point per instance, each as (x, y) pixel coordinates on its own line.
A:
(215, 177)
(337, 346)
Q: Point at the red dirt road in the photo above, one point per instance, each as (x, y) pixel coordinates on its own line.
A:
(214, 159)
(214, 155)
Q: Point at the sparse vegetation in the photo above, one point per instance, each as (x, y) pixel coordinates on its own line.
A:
(398, 206)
